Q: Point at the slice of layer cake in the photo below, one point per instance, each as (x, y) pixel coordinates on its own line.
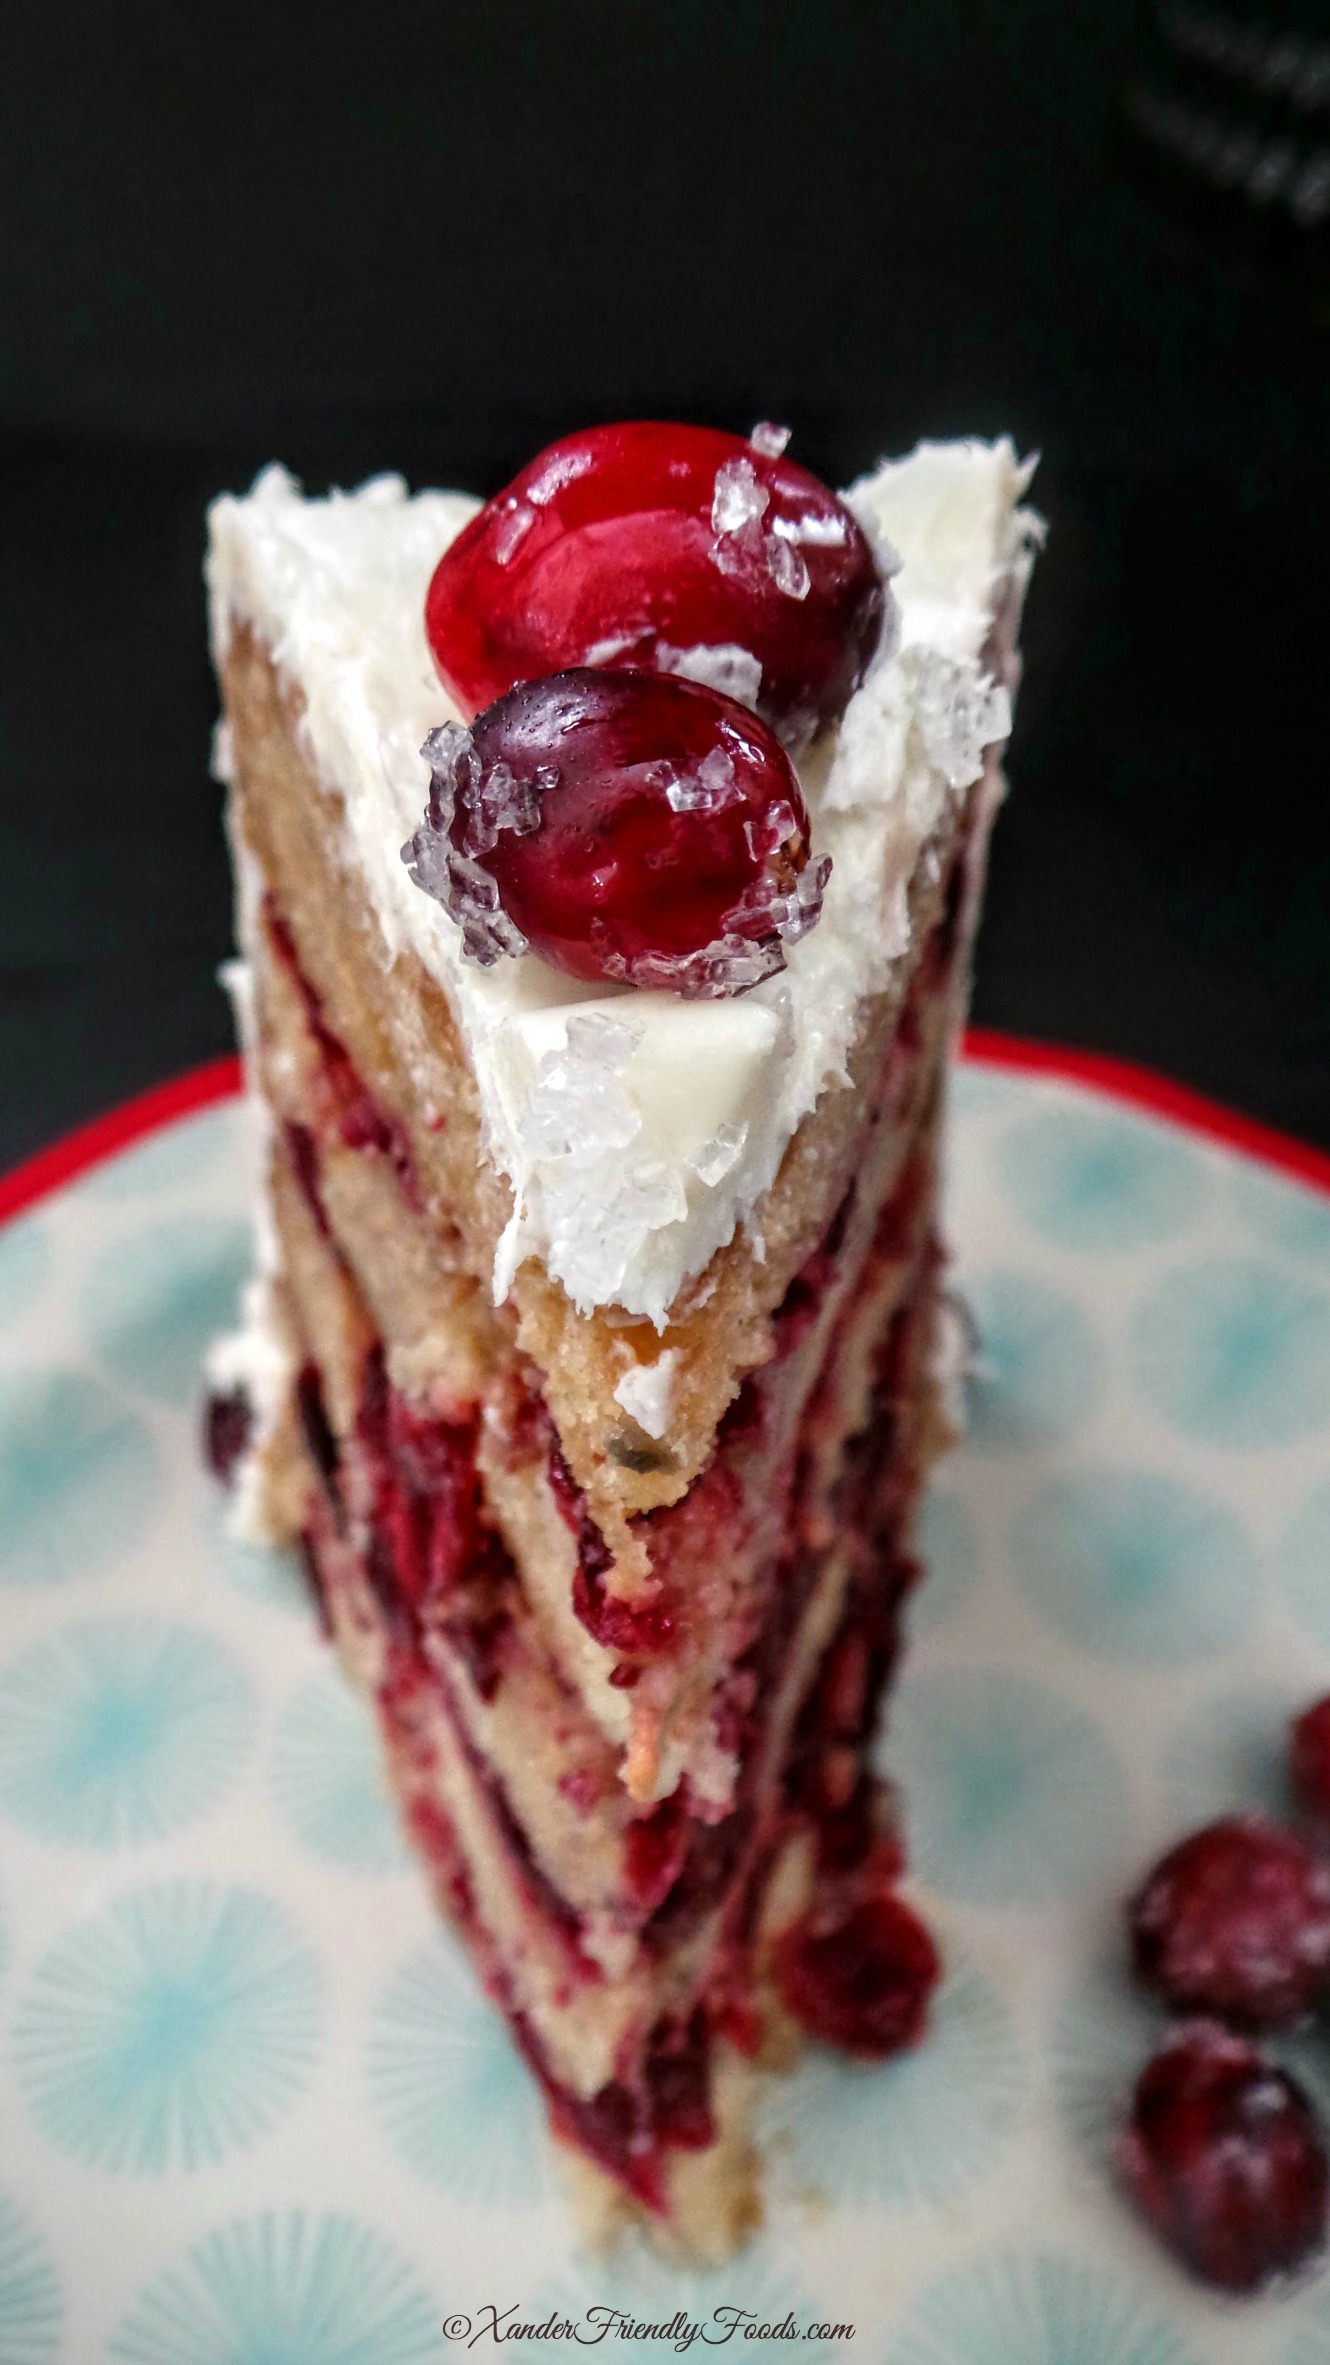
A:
(598, 1348)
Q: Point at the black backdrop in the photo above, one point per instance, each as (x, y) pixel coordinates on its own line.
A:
(434, 237)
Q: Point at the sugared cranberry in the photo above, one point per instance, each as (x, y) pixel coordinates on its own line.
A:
(671, 549)
(1309, 1764)
(228, 1420)
(1224, 2157)
(860, 1979)
(1236, 1921)
(640, 830)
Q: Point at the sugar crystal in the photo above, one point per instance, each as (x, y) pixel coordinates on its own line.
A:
(960, 712)
(739, 500)
(716, 1157)
(788, 568)
(769, 439)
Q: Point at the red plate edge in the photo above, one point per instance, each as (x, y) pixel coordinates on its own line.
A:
(1120, 1079)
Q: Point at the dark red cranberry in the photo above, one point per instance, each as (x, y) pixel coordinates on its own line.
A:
(1236, 1921)
(1309, 1764)
(670, 549)
(860, 1978)
(1224, 2157)
(630, 828)
(228, 1421)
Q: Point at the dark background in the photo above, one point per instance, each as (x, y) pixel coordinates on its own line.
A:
(435, 237)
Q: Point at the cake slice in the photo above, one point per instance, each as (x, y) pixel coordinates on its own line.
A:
(598, 1346)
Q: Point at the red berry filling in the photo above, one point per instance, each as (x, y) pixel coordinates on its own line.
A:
(676, 550)
(1223, 2156)
(1236, 1921)
(861, 1977)
(646, 832)
(1309, 1764)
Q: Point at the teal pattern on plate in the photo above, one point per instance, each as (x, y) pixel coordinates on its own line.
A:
(1035, 2308)
(1304, 1566)
(30, 2305)
(1093, 1181)
(916, 2131)
(447, 2084)
(1235, 1352)
(327, 1778)
(171, 2029)
(1283, 1214)
(261, 1572)
(154, 1302)
(756, 2288)
(1103, 2034)
(78, 1476)
(120, 1730)
(25, 1261)
(290, 2289)
(1039, 1369)
(1135, 1566)
(1013, 1796)
(947, 1544)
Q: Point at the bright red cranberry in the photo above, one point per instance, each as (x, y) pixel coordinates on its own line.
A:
(672, 549)
(630, 828)
(1236, 1921)
(860, 1979)
(1225, 2159)
(1309, 1764)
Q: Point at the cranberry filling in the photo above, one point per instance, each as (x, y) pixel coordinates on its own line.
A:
(361, 1123)
(639, 830)
(1223, 2156)
(432, 1557)
(643, 1629)
(1309, 1765)
(1236, 1921)
(228, 1423)
(859, 1977)
(628, 2128)
(679, 549)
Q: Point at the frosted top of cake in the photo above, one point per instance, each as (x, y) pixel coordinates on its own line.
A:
(639, 1130)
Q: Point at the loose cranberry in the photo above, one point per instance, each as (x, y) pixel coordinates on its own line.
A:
(671, 549)
(228, 1422)
(1224, 2157)
(1309, 1764)
(644, 831)
(1236, 1921)
(859, 1979)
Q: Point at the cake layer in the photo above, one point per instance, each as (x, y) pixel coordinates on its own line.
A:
(595, 2004)
(654, 1676)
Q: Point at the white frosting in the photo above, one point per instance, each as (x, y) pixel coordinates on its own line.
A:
(636, 1145)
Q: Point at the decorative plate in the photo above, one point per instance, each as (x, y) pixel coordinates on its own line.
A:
(252, 2109)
